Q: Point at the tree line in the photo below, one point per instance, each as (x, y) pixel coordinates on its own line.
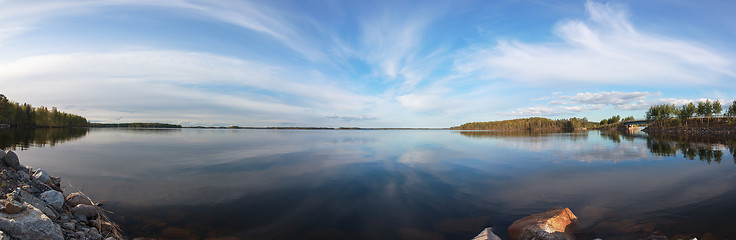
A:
(686, 111)
(134, 125)
(25, 115)
(532, 123)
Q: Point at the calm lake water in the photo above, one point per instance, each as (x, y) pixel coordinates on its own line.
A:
(360, 184)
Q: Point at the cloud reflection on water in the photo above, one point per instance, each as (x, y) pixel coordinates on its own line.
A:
(369, 182)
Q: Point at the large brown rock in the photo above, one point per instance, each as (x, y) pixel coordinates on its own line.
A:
(12, 207)
(554, 224)
(77, 198)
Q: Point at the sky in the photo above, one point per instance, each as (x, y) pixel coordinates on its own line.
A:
(332, 63)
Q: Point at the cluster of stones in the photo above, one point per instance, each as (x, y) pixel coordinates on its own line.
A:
(32, 206)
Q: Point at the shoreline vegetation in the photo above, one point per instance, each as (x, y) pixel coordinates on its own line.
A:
(544, 124)
(689, 119)
(13, 114)
(701, 119)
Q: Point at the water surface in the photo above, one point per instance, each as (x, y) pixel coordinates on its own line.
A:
(358, 184)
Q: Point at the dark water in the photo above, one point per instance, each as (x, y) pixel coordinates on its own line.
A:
(292, 184)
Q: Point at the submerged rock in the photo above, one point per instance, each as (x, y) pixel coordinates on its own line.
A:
(554, 224)
(89, 211)
(29, 224)
(487, 234)
(103, 226)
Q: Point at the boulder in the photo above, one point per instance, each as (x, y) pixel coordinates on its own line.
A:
(53, 198)
(11, 160)
(29, 224)
(89, 211)
(38, 203)
(42, 176)
(77, 198)
(2, 154)
(487, 234)
(554, 224)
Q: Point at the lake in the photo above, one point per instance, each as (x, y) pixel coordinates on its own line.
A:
(386, 184)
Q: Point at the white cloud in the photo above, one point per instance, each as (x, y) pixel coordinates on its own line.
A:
(610, 98)
(154, 82)
(606, 48)
(286, 28)
(583, 108)
(535, 112)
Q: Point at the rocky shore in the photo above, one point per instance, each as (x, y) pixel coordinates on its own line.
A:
(33, 206)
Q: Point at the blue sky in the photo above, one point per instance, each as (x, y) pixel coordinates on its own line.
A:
(364, 63)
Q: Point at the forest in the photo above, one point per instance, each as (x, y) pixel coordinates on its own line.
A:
(135, 125)
(24, 115)
(686, 111)
(532, 123)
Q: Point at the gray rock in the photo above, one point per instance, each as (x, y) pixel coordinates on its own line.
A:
(23, 175)
(38, 203)
(93, 234)
(110, 238)
(77, 198)
(29, 224)
(41, 175)
(2, 154)
(88, 211)
(11, 160)
(53, 198)
(487, 234)
(81, 235)
(68, 225)
(80, 218)
(3, 236)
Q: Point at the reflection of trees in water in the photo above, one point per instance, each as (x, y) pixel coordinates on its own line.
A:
(573, 135)
(706, 149)
(23, 138)
(617, 135)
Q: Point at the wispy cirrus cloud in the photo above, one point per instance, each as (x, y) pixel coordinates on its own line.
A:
(154, 82)
(535, 112)
(291, 29)
(606, 48)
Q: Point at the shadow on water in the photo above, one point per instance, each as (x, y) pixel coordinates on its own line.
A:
(24, 138)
